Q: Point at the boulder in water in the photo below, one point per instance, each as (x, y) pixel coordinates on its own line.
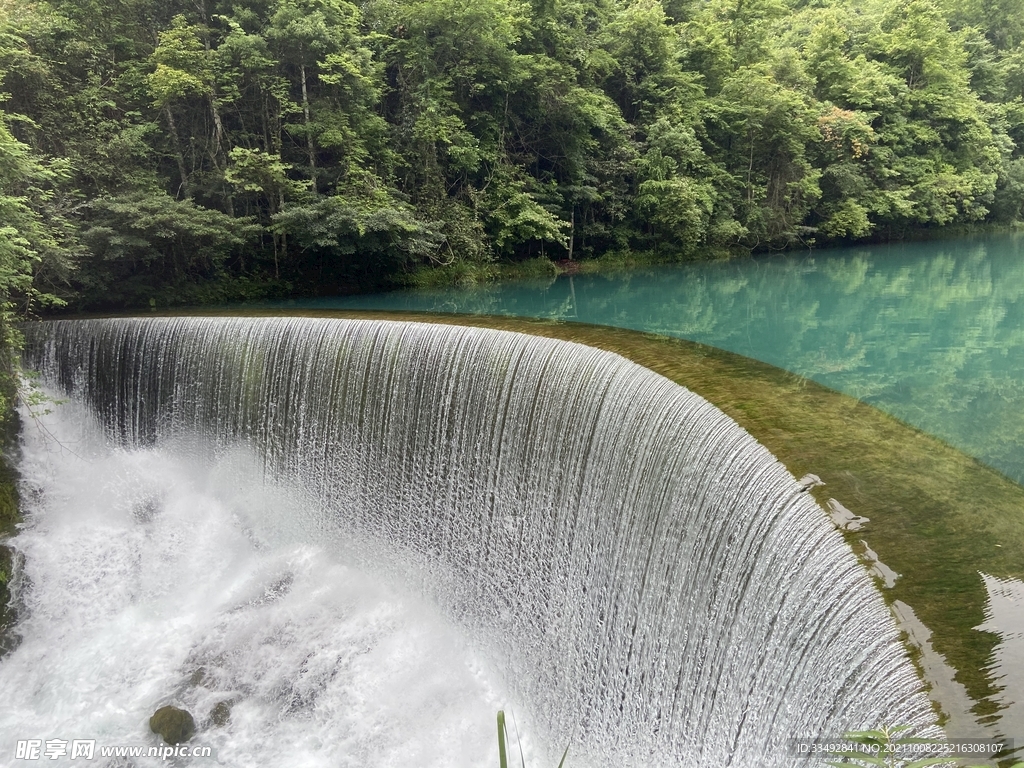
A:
(221, 713)
(173, 724)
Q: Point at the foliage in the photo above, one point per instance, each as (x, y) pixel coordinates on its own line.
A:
(144, 244)
(27, 244)
(331, 145)
(358, 232)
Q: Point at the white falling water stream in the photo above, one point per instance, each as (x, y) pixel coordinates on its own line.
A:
(370, 536)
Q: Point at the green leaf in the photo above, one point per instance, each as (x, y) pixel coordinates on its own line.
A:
(502, 740)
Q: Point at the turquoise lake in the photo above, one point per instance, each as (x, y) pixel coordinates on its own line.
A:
(932, 333)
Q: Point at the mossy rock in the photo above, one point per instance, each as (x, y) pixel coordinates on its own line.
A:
(10, 504)
(8, 612)
(173, 724)
(10, 516)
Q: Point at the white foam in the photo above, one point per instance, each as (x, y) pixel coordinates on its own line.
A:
(144, 566)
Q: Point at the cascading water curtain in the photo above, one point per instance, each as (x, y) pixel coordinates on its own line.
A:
(647, 576)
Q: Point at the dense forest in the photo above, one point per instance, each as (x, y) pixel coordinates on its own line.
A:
(158, 152)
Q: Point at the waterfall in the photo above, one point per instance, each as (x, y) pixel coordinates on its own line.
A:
(648, 578)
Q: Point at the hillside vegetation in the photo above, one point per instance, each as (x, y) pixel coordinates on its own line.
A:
(159, 152)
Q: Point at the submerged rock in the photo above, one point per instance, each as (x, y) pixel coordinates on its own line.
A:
(879, 569)
(173, 724)
(145, 511)
(809, 481)
(221, 713)
(844, 519)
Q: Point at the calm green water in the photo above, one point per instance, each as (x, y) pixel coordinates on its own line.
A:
(932, 333)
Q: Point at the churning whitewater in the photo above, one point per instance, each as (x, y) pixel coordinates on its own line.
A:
(160, 574)
(329, 523)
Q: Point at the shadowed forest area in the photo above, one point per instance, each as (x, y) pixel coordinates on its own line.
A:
(154, 153)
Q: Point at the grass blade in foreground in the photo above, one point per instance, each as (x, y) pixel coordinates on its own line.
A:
(503, 744)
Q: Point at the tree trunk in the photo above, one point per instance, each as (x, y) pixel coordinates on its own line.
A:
(177, 150)
(572, 232)
(750, 172)
(284, 235)
(220, 161)
(309, 133)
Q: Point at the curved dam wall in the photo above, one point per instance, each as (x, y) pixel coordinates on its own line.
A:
(649, 579)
